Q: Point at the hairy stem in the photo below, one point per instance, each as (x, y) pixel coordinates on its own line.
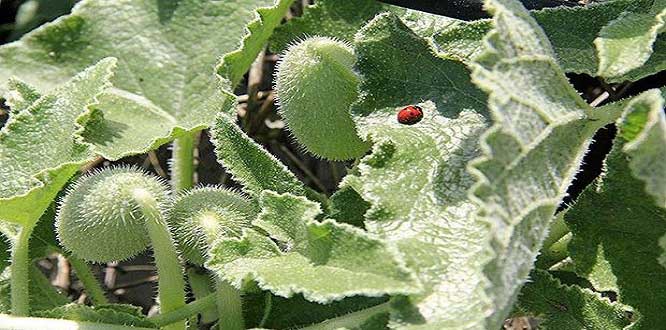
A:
(193, 308)
(182, 162)
(171, 283)
(229, 307)
(202, 286)
(90, 283)
(351, 320)
(20, 268)
(30, 323)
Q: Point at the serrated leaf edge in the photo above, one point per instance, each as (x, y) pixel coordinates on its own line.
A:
(79, 124)
(252, 27)
(315, 297)
(604, 65)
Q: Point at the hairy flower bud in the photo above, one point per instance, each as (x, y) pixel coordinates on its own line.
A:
(204, 214)
(99, 219)
(316, 87)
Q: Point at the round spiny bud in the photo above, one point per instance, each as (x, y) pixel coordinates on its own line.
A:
(316, 87)
(203, 214)
(99, 219)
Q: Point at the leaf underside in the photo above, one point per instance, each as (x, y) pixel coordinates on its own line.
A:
(531, 153)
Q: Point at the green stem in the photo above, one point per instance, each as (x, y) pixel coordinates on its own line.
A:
(171, 283)
(605, 115)
(268, 303)
(20, 272)
(229, 307)
(90, 283)
(185, 312)
(182, 162)
(202, 286)
(351, 320)
(555, 253)
(8, 322)
(558, 228)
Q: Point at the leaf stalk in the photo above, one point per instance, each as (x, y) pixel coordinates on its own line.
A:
(182, 162)
(193, 308)
(20, 279)
(229, 307)
(171, 283)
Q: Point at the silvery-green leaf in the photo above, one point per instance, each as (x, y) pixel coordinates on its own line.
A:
(415, 179)
(542, 129)
(248, 163)
(324, 261)
(627, 42)
(41, 146)
(167, 52)
(575, 53)
(332, 18)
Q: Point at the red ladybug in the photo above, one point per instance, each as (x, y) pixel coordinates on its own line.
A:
(410, 115)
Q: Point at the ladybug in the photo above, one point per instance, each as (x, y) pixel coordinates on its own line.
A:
(410, 115)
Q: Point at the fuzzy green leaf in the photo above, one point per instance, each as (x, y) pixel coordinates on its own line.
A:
(540, 134)
(415, 179)
(20, 95)
(644, 128)
(249, 163)
(627, 42)
(559, 306)
(348, 206)
(324, 261)
(167, 53)
(616, 231)
(274, 312)
(109, 314)
(398, 69)
(576, 53)
(235, 64)
(124, 124)
(339, 19)
(40, 146)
